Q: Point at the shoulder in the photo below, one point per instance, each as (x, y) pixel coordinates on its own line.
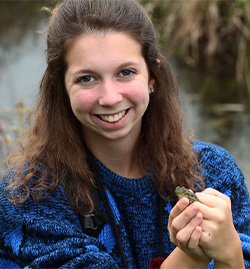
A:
(220, 169)
(54, 204)
(20, 182)
(213, 156)
(208, 148)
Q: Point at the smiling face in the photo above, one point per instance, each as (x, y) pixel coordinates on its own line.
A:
(107, 81)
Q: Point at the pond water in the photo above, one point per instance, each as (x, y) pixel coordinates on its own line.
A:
(215, 110)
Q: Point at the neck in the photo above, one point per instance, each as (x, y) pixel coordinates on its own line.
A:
(120, 156)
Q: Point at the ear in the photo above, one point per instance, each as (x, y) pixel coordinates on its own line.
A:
(158, 61)
(151, 85)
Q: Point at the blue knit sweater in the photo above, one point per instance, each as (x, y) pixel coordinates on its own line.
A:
(49, 234)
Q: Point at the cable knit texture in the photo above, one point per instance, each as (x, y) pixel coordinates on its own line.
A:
(48, 234)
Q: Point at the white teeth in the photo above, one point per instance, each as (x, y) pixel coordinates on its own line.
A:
(113, 118)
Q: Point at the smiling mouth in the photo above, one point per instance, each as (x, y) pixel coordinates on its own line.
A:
(114, 117)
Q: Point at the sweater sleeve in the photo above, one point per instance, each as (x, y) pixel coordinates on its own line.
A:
(223, 174)
(46, 234)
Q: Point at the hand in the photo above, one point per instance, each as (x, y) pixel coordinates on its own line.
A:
(185, 230)
(219, 239)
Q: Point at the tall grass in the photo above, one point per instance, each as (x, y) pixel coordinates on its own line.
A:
(206, 33)
(10, 128)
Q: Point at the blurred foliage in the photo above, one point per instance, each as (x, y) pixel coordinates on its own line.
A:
(18, 17)
(210, 34)
(210, 37)
(9, 132)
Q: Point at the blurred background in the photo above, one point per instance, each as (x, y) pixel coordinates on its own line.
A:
(206, 41)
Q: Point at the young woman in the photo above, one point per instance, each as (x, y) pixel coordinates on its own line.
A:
(93, 184)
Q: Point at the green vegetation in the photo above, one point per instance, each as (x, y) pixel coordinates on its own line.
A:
(9, 132)
(210, 37)
(210, 34)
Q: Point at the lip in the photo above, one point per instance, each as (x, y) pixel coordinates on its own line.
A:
(112, 117)
(112, 113)
(102, 119)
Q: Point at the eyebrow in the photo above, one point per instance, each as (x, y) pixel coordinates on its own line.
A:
(123, 65)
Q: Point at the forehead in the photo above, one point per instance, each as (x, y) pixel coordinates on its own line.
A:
(95, 43)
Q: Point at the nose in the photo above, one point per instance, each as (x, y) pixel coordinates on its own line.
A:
(109, 94)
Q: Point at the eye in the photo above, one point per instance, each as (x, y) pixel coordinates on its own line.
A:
(126, 73)
(86, 79)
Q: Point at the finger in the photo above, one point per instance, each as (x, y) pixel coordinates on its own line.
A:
(178, 208)
(194, 240)
(183, 218)
(214, 193)
(212, 200)
(183, 236)
(217, 213)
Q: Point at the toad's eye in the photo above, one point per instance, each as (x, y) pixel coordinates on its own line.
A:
(86, 79)
(126, 73)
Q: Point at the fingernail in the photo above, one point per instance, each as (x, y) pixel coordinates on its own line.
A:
(195, 208)
(198, 230)
(198, 216)
(185, 201)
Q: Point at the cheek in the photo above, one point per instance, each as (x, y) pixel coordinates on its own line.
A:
(139, 93)
(82, 102)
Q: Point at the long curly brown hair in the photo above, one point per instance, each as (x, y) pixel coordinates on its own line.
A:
(52, 151)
